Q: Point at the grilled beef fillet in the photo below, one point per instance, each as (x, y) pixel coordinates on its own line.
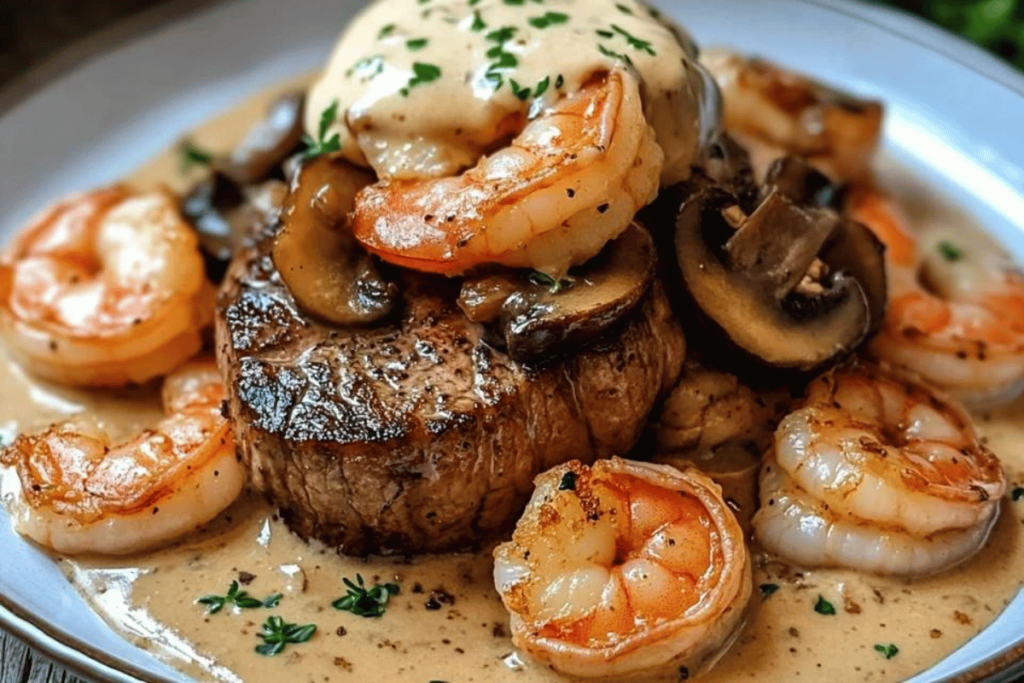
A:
(416, 435)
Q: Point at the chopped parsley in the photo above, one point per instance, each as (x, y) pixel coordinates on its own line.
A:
(768, 588)
(416, 43)
(515, 3)
(478, 22)
(614, 55)
(386, 31)
(421, 73)
(823, 606)
(950, 251)
(323, 145)
(277, 634)
(551, 284)
(193, 155)
(634, 42)
(369, 67)
(568, 482)
(888, 651)
(363, 601)
(1018, 493)
(239, 598)
(519, 91)
(622, 8)
(548, 19)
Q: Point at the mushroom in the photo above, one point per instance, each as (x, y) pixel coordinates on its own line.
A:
(268, 143)
(329, 274)
(552, 318)
(222, 213)
(792, 285)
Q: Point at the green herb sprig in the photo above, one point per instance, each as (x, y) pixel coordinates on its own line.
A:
(363, 601)
(823, 606)
(238, 598)
(548, 19)
(888, 651)
(323, 145)
(950, 251)
(192, 155)
(278, 634)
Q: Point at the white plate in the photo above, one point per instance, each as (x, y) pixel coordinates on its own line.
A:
(954, 119)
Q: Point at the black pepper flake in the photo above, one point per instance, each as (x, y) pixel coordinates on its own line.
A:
(570, 193)
(342, 631)
(684, 673)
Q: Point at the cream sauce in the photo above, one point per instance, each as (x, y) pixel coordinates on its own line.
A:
(447, 623)
(424, 87)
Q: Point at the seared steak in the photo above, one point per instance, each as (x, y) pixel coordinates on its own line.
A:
(416, 435)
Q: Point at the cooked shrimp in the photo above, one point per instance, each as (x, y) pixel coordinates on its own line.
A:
(775, 113)
(81, 493)
(568, 184)
(956, 307)
(105, 289)
(877, 473)
(624, 569)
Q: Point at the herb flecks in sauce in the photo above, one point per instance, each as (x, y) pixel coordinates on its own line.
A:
(888, 651)
(767, 589)
(386, 31)
(421, 73)
(416, 43)
(363, 601)
(193, 155)
(823, 606)
(548, 19)
(323, 145)
(1018, 493)
(950, 251)
(238, 598)
(278, 634)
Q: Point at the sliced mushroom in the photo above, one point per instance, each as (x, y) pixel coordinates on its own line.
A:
(789, 284)
(542, 322)
(328, 273)
(222, 214)
(268, 144)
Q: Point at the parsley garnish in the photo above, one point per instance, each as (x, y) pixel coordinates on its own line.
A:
(615, 55)
(386, 31)
(568, 482)
(416, 43)
(421, 73)
(1017, 494)
(519, 91)
(365, 602)
(604, 34)
(950, 251)
(634, 42)
(277, 633)
(554, 286)
(823, 606)
(515, 3)
(478, 22)
(542, 86)
(888, 651)
(623, 9)
(503, 60)
(239, 598)
(768, 588)
(548, 19)
(192, 156)
(322, 145)
(370, 67)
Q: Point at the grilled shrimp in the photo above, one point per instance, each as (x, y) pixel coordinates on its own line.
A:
(105, 289)
(623, 569)
(568, 184)
(775, 113)
(81, 493)
(876, 473)
(956, 307)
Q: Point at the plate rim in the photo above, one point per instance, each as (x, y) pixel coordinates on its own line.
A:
(89, 663)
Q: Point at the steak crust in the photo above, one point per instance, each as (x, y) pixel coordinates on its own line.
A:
(417, 435)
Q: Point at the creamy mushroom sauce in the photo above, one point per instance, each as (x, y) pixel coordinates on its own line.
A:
(447, 623)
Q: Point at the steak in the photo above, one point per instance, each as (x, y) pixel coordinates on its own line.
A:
(417, 435)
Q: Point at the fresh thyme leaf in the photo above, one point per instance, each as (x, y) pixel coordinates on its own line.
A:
(542, 86)
(421, 73)
(192, 155)
(568, 482)
(768, 588)
(623, 8)
(1017, 494)
(277, 634)
(950, 251)
(823, 606)
(239, 598)
(634, 42)
(386, 31)
(416, 43)
(478, 22)
(888, 651)
(363, 601)
(548, 19)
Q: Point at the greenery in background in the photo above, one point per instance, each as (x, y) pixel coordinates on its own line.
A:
(997, 25)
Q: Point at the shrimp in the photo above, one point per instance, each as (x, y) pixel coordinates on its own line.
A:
(568, 184)
(80, 493)
(105, 289)
(956, 307)
(624, 569)
(877, 473)
(776, 113)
